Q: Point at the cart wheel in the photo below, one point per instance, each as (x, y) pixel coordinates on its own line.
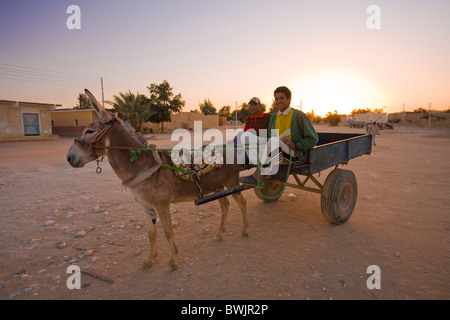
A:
(339, 195)
(271, 188)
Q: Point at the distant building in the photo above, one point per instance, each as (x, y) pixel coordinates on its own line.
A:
(186, 120)
(21, 120)
(369, 116)
(343, 119)
(71, 122)
(436, 119)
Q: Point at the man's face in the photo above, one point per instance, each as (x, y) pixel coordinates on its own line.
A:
(281, 101)
(254, 108)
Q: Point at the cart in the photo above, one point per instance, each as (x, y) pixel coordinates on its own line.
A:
(338, 192)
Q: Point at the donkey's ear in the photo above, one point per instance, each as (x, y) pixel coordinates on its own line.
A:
(97, 105)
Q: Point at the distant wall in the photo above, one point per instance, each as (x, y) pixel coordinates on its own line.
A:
(68, 130)
(185, 120)
(438, 119)
(66, 118)
(72, 122)
(368, 116)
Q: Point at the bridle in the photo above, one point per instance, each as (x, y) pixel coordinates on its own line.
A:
(95, 139)
(136, 180)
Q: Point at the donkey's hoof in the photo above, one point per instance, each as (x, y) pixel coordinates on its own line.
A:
(244, 233)
(147, 264)
(171, 267)
(218, 237)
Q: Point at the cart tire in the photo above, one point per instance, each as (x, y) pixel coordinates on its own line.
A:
(270, 189)
(339, 195)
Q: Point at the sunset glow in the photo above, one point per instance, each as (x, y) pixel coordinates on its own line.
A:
(336, 90)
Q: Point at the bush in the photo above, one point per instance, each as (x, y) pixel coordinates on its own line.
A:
(333, 118)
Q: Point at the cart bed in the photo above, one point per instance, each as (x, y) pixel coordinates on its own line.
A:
(331, 149)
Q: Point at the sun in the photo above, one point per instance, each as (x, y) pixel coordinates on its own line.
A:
(334, 90)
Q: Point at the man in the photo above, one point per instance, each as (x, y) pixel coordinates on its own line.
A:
(257, 123)
(257, 119)
(294, 129)
(373, 131)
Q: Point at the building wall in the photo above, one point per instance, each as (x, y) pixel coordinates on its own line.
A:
(65, 118)
(368, 116)
(185, 120)
(10, 123)
(11, 119)
(64, 121)
(438, 119)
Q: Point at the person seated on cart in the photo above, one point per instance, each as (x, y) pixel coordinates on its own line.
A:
(257, 119)
(257, 123)
(294, 130)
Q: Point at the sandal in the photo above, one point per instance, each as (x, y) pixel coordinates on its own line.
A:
(248, 180)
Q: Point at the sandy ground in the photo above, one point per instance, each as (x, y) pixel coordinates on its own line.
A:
(53, 216)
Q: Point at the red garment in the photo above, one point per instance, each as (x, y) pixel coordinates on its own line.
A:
(257, 123)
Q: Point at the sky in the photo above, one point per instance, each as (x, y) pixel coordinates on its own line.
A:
(326, 51)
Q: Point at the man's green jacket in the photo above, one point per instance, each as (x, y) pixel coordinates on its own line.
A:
(303, 133)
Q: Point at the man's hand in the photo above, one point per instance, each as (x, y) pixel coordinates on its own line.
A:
(289, 143)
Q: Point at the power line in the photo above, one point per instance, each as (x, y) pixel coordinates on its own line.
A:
(28, 74)
(17, 70)
(44, 71)
(65, 84)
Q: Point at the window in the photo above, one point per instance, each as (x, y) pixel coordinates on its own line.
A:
(31, 124)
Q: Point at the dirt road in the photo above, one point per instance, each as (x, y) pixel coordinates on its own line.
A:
(53, 216)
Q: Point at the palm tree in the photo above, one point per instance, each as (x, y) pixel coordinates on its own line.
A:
(133, 108)
(207, 108)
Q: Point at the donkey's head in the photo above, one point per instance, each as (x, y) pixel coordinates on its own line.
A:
(81, 151)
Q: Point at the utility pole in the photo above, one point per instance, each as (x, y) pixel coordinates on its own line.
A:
(403, 118)
(300, 105)
(103, 97)
(429, 114)
(236, 113)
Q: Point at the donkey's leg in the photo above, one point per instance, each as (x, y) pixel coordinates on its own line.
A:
(166, 222)
(224, 205)
(239, 198)
(150, 214)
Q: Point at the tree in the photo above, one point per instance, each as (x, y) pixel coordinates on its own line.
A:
(83, 102)
(355, 111)
(133, 108)
(207, 108)
(225, 111)
(333, 118)
(273, 108)
(243, 112)
(420, 110)
(163, 102)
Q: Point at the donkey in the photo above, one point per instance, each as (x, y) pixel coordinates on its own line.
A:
(154, 187)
